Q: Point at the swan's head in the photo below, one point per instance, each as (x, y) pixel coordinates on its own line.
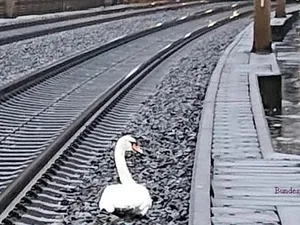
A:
(129, 143)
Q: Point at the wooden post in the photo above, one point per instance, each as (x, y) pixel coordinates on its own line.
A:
(9, 8)
(262, 29)
(280, 9)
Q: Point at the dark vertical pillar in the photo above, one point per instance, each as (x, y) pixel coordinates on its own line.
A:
(262, 29)
(280, 9)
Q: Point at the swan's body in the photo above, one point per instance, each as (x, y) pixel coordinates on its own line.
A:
(133, 198)
(128, 196)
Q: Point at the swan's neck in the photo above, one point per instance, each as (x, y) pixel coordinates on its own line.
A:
(124, 174)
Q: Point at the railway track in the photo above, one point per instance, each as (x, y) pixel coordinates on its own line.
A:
(47, 113)
(10, 34)
(74, 59)
(84, 14)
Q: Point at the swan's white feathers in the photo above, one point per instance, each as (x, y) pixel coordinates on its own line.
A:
(126, 197)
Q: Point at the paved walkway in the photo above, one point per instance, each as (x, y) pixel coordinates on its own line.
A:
(246, 175)
(242, 182)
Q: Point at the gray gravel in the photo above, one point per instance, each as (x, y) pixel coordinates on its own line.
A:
(20, 58)
(38, 17)
(167, 125)
(30, 18)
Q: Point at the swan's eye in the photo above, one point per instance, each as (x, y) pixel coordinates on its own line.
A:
(133, 143)
(136, 147)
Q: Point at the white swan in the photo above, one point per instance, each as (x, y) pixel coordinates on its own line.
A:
(128, 196)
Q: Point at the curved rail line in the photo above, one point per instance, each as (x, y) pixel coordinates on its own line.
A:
(67, 62)
(38, 190)
(23, 33)
(34, 114)
(84, 14)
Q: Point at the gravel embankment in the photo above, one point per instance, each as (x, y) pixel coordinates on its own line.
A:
(38, 17)
(20, 58)
(168, 124)
(31, 18)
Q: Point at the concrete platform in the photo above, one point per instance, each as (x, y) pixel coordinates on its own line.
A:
(245, 182)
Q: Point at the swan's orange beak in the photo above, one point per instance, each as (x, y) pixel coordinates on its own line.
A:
(137, 148)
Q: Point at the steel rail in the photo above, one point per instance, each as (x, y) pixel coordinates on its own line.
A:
(31, 120)
(103, 103)
(21, 35)
(151, 6)
(65, 63)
